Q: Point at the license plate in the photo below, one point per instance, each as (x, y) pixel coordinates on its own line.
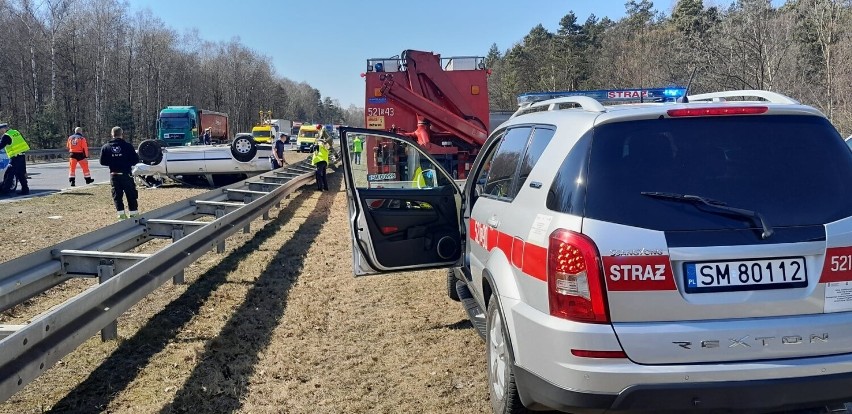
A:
(783, 273)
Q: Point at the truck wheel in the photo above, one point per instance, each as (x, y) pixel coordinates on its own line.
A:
(502, 389)
(151, 151)
(243, 149)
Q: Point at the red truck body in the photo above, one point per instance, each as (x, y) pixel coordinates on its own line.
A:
(442, 103)
(217, 122)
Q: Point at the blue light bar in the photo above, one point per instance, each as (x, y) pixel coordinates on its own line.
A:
(610, 95)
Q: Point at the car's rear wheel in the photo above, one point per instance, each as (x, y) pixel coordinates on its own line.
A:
(243, 149)
(501, 364)
(151, 151)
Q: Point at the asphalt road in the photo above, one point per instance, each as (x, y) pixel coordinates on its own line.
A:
(49, 178)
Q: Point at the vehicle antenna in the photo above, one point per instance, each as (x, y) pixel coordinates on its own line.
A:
(685, 97)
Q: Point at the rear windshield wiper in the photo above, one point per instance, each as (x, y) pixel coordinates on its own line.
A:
(716, 204)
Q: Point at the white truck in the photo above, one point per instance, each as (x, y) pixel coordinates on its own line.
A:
(281, 126)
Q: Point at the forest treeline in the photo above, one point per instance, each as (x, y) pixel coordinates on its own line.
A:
(99, 63)
(802, 49)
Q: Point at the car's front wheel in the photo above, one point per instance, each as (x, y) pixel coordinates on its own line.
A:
(501, 364)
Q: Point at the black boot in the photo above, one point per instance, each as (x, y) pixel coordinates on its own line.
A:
(73, 181)
(24, 191)
(89, 180)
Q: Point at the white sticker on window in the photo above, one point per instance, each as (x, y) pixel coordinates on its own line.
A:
(538, 232)
(838, 297)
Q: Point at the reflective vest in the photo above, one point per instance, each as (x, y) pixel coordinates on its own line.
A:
(320, 154)
(18, 146)
(77, 143)
(357, 146)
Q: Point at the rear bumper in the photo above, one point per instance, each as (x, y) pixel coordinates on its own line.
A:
(756, 396)
(549, 375)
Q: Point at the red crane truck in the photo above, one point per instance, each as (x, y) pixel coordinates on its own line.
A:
(441, 102)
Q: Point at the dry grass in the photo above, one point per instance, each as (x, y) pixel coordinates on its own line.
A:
(275, 324)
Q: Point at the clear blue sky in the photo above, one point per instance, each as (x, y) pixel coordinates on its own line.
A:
(326, 43)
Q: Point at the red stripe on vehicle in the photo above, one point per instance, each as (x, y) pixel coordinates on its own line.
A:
(504, 243)
(529, 258)
(535, 261)
(838, 265)
(493, 235)
(518, 253)
(638, 273)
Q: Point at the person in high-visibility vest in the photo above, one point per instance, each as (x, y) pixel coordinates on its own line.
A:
(79, 154)
(15, 146)
(357, 147)
(320, 160)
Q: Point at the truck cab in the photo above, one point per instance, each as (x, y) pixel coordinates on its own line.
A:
(262, 133)
(178, 125)
(307, 137)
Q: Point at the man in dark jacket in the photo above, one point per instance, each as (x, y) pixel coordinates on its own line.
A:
(120, 157)
(277, 156)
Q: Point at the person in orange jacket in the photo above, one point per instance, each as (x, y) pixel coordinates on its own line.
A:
(79, 154)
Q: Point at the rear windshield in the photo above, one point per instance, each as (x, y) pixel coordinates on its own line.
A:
(793, 169)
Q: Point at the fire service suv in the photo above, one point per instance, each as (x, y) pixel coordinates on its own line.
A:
(649, 257)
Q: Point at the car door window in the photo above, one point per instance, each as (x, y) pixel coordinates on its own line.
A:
(538, 142)
(501, 172)
(390, 163)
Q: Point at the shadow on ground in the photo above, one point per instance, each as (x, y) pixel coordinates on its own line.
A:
(268, 294)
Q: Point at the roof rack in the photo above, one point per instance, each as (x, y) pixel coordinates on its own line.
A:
(588, 104)
(772, 97)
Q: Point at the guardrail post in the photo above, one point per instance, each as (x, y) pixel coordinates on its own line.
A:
(247, 200)
(266, 215)
(177, 234)
(220, 248)
(106, 270)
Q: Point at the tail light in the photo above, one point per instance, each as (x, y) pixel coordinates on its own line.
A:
(574, 278)
(717, 111)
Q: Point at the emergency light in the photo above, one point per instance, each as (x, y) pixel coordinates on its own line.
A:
(609, 95)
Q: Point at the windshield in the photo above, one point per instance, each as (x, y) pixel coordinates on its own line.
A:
(261, 134)
(791, 169)
(174, 123)
(308, 134)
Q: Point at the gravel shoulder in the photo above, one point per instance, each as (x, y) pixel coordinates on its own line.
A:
(276, 324)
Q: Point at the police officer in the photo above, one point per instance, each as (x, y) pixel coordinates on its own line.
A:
(15, 146)
(320, 160)
(120, 157)
(277, 158)
(79, 154)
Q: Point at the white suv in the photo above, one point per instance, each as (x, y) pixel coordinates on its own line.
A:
(653, 257)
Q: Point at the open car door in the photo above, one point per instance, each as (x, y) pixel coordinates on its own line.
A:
(404, 208)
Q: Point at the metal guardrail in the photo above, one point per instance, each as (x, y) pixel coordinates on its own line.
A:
(28, 350)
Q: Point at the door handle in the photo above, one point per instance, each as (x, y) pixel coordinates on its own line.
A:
(493, 222)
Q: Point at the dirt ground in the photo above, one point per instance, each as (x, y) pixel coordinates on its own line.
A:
(276, 324)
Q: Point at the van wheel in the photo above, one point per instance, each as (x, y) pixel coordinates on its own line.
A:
(151, 151)
(502, 389)
(243, 149)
